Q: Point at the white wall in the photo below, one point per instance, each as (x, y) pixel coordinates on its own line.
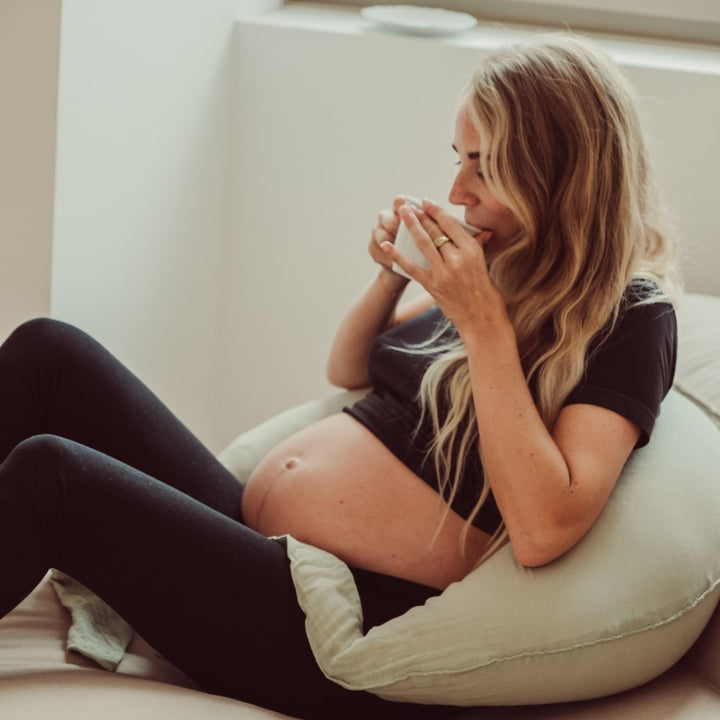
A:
(29, 45)
(702, 10)
(334, 118)
(213, 194)
(682, 111)
(141, 211)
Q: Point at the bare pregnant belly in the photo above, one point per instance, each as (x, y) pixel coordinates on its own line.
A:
(336, 486)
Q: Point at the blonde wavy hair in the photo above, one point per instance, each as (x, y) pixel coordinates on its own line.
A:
(562, 147)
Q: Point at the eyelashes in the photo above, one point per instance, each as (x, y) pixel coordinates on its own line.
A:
(480, 173)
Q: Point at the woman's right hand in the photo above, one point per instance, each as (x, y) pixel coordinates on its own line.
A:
(385, 231)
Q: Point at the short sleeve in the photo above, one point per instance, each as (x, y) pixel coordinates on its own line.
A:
(632, 370)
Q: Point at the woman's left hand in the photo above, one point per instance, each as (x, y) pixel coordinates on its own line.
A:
(457, 277)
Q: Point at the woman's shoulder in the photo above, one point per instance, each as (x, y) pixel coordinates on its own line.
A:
(647, 313)
(644, 291)
(631, 368)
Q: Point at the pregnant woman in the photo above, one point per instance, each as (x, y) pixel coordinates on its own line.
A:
(504, 404)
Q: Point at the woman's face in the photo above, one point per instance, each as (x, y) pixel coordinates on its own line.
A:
(482, 209)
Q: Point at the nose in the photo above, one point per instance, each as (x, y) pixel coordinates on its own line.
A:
(460, 192)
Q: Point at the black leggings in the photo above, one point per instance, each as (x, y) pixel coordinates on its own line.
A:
(101, 481)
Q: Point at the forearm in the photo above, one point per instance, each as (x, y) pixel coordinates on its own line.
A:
(369, 315)
(528, 474)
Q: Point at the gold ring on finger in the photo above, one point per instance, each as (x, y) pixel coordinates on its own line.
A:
(439, 242)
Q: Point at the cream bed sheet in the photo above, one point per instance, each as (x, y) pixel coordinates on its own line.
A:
(39, 678)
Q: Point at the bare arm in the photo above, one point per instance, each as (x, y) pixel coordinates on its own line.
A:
(375, 310)
(549, 486)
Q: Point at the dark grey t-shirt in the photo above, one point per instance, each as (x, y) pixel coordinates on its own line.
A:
(629, 373)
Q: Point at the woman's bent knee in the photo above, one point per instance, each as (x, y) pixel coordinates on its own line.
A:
(42, 464)
(34, 490)
(35, 456)
(44, 445)
(33, 329)
(36, 339)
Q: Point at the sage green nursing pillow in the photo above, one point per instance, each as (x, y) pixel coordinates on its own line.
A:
(614, 612)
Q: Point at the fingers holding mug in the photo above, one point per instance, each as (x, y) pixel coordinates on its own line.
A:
(385, 230)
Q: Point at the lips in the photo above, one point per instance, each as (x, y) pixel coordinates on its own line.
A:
(472, 224)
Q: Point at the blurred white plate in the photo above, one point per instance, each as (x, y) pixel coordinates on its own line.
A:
(419, 20)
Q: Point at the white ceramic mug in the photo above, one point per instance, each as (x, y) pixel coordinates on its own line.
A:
(406, 246)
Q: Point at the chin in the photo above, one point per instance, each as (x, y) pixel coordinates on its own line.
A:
(490, 253)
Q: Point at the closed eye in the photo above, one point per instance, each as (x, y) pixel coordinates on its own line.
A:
(470, 156)
(480, 173)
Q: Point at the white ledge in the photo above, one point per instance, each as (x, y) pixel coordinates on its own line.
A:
(634, 52)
